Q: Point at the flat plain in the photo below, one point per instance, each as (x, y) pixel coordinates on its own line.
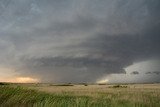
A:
(79, 95)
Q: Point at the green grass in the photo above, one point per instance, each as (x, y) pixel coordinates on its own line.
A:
(18, 96)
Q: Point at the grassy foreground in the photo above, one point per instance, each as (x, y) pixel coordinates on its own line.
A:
(20, 96)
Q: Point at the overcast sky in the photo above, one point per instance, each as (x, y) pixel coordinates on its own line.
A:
(80, 40)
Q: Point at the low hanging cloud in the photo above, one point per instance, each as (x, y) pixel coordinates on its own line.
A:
(154, 72)
(77, 41)
(134, 73)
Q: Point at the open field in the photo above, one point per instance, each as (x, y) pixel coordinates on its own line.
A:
(70, 95)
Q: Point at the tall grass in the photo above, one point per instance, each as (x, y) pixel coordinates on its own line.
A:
(22, 97)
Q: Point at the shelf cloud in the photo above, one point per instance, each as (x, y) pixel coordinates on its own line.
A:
(77, 41)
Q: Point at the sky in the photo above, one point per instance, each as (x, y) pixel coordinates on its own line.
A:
(80, 41)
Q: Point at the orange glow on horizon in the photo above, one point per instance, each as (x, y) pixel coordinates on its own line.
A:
(26, 80)
(103, 81)
(9, 75)
(20, 80)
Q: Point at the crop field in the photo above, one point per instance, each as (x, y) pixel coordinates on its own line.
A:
(79, 95)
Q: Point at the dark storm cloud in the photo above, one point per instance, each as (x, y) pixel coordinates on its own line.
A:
(134, 73)
(153, 72)
(77, 40)
(71, 69)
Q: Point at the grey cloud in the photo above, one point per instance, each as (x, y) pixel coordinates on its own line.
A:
(134, 73)
(157, 72)
(148, 72)
(70, 69)
(78, 40)
(153, 72)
